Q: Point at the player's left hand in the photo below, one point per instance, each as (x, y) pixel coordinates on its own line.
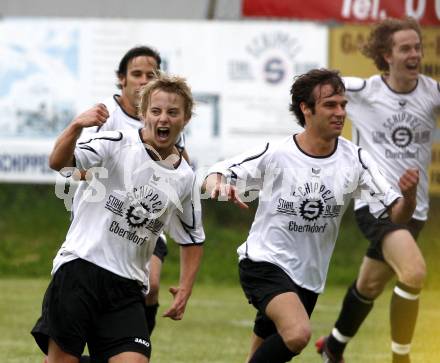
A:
(408, 183)
(177, 309)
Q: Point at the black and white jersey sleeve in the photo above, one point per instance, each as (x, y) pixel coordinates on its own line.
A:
(185, 226)
(91, 151)
(118, 119)
(373, 188)
(247, 169)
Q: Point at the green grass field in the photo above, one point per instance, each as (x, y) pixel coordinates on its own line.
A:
(217, 326)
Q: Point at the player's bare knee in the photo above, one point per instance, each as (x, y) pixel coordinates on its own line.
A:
(414, 275)
(370, 288)
(297, 338)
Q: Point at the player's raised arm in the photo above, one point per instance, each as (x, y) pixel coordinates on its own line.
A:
(62, 153)
(403, 209)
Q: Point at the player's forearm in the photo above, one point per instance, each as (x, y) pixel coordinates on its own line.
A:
(63, 151)
(402, 210)
(190, 259)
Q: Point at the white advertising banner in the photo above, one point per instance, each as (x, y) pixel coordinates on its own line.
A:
(240, 74)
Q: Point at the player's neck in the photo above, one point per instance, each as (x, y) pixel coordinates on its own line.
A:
(315, 145)
(399, 84)
(127, 106)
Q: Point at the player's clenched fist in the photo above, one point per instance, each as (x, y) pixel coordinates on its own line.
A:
(95, 116)
(408, 182)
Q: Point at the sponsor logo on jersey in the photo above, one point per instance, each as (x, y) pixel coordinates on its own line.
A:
(286, 207)
(403, 130)
(132, 236)
(147, 200)
(311, 209)
(401, 136)
(141, 208)
(402, 154)
(137, 216)
(308, 228)
(115, 205)
(313, 202)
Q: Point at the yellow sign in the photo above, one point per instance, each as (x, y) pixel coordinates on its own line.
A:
(434, 171)
(345, 56)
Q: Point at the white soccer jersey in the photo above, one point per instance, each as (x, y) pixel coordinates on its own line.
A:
(397, 129)
(301, 202)
(120, 120)
(119, 216)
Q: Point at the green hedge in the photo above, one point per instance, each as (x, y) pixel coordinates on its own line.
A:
(33, 223)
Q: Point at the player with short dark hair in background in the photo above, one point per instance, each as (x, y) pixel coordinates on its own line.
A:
(305, 184)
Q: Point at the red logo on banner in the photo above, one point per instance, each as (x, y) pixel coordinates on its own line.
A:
(427, 12)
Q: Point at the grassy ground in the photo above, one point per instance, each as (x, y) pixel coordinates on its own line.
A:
(33, 223)
(217, 325)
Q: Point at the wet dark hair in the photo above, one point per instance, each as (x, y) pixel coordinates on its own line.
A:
(380, 40)
(303, 86)
(138, 51)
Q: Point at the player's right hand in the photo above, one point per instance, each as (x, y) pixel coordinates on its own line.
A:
(222, 191)
(95, 116)
(177, 309)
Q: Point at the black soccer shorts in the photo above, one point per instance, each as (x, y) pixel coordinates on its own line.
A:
(85, 303)
(375, 229)
(261, 282)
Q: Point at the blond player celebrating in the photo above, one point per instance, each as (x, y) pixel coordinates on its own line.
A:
(142, 186)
